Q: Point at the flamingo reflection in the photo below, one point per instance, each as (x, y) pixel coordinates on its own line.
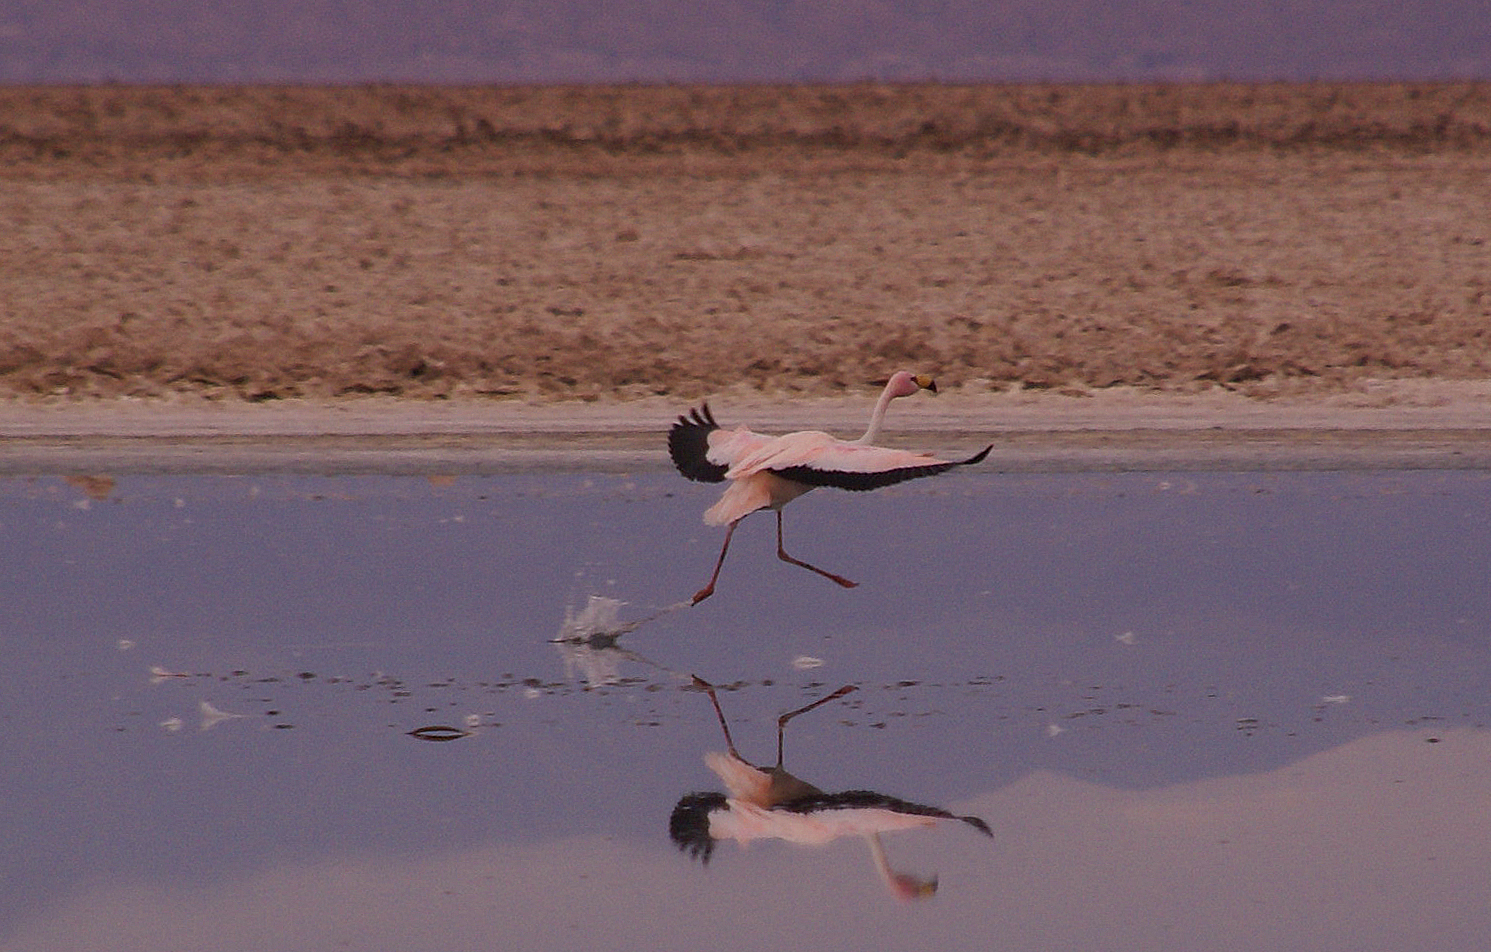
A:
(770, 803)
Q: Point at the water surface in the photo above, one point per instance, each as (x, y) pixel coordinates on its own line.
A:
(1198, 710)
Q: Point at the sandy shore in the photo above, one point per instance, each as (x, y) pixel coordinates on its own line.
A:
(478, 279)
(1386, 425)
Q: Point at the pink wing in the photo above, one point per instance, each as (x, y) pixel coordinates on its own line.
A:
(746, 821)
(728, 447)
(702, 451)
(857, 467)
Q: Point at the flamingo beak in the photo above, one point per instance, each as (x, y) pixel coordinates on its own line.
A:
(926, 382)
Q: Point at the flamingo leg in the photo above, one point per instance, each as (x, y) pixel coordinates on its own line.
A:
(782, 721)
(708, 590)
(782, 554)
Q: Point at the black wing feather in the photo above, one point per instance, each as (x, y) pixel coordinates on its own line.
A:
(689, 824)
(688, 445)
(861, 482)
(869, 799)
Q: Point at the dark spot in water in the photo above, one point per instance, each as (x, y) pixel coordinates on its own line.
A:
(439, 732)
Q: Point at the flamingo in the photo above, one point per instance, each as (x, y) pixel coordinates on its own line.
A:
(769, 802)
(767, 472)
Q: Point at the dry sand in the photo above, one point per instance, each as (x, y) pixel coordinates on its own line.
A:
(459, 272)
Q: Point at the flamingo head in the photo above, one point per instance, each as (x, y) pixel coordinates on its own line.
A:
(903, 383)
(908, 888)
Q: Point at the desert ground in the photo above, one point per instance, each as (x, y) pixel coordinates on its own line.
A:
(510, 249)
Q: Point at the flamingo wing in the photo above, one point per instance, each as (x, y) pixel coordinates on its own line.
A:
(700, 819)
(689, 825)
(817, 820)
(871, 803)
(859, 468)
(704, 452)
(688, 445)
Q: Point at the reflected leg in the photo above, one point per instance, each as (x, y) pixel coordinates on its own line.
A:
(782, 554)
(708, 688)
(782, 721)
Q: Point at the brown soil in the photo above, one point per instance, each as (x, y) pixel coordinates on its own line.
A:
(552, 243)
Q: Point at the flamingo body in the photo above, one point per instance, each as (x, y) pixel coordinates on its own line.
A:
(767, 472)
(771, 803)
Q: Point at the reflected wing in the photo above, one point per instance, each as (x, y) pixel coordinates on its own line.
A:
(742, 821)
(820, 818)
(689, 824)
(866, 808)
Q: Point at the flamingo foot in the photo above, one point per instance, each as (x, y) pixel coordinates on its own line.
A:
(782, 554)
(838, 579)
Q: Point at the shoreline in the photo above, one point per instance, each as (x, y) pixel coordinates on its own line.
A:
(1390, 425)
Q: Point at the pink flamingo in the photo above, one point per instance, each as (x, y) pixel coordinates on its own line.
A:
(770, 803)
(767, 472)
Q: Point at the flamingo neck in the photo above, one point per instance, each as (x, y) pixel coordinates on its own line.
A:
(877, 418)
(877, 852)
(882, 866)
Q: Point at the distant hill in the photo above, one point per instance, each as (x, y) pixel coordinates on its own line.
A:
(551, 41)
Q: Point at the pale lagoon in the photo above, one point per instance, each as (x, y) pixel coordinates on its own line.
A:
(1220, 710)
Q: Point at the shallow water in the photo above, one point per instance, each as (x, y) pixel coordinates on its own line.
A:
(1223, 711)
